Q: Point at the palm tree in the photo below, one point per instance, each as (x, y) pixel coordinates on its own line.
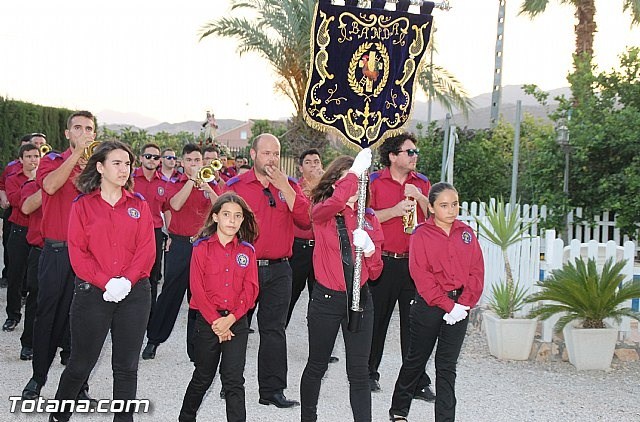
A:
(585, 13)
(280, 34)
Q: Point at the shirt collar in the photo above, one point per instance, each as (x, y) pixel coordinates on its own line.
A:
(126, 195)
(234, 242)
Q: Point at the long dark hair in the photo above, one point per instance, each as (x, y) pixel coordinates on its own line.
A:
(324, 188)
(249, 227)
(89, 180)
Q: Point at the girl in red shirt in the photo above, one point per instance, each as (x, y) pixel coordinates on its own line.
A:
(111, 249)
(224, 286)
(445, 261)
(334, 207)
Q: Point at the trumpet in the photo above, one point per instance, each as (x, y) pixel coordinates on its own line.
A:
(410, 219)
(89, 149)
(45, 149)
(216, 165)
(207, 174)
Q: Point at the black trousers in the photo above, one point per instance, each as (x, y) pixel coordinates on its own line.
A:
(18, 254)
(92, 318)
(55, 291)
(32, 296)
(273, 304)
(393, 286)
(156, 270)
(302, 274)
(6, 230)
(327, 312)
(207, 353)
(176, 283)
(426, 327)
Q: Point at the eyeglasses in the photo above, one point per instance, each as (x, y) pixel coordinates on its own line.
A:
(410, 152)
(169, 157)
(150, 156)
(272, 200)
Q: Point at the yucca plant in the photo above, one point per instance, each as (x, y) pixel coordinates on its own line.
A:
(579, 291)
(504, 228)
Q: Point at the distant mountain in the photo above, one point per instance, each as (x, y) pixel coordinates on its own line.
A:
(190, 126)
(110, 117)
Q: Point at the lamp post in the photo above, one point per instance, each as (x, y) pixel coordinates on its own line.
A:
(562, 130)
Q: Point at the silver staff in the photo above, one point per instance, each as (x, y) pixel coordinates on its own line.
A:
(357, 265)
(443, 5)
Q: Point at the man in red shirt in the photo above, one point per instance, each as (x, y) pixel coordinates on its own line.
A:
(277, 202)
(190, 201)
(56, 175)
(168, 165)
(148, 182)
(17, 246)
(395, 191)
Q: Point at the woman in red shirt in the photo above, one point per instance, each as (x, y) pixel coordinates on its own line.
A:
(335, 207)
(445, 260)
(224, 286)
(111, 249)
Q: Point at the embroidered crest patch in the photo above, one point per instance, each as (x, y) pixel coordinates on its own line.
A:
(206, 194)
(133, 213)
(160, 190)
(466, 237)
(242, 260)
(367, 225)
(281, 196)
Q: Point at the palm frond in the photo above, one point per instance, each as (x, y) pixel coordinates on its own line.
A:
(533, 8)
(633, 6)
(445, 87)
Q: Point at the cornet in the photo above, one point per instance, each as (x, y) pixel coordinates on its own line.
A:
(44, 149)
(207, 174)
(410, 219)
(216, 165)
(89, 149)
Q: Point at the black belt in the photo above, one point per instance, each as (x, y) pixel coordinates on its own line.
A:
(265, 262)
(55, 243)
(395, 255)
(306, 242)
(453, 294)
(18, 227)
(223, 312)
(179, 237)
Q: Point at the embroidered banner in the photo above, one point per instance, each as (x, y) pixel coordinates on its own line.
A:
(362, 71)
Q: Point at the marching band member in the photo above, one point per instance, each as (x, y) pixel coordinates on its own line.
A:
(112, 250)
(446, 263)
(224, 286)
(334, 219)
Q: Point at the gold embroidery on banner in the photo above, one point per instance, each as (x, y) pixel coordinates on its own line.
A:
(332, 91)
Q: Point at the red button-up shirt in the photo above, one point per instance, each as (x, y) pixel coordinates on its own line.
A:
(12, 167)
(110, 241)
(439, 264)
(275, 223)
(386, 193)
(56, 207)
(34, 235)
(191, 217)
(327, 257)
(153, 191)
(303, 233)
(13, 185)
(223, 277)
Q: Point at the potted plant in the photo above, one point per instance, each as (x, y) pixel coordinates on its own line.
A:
(508, 337)
(585, 298)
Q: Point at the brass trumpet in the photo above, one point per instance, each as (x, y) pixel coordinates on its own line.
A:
(410, 219)
(45, 149)
(216, 165)
(89, 149)
(207, 174)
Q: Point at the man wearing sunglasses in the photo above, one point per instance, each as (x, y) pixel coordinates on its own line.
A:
(277, 202)
(169, 160)
(149, 183)
(396, 190)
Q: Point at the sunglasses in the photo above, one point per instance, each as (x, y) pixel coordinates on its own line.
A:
(272, 200)
(150, 156)
(169, 157)
(410, 152)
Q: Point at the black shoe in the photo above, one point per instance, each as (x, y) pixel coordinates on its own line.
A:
(3, 283)
(149, 351)
(222, 394)
(374, 385)
(251, 331)
(31, 390)
(333, 359)
(64, 357)
(84, 395)
(26, 353)
(278, 400)
(10, 325)
(425, 394)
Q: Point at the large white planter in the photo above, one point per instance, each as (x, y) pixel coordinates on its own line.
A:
(590, 348)
(509, 338)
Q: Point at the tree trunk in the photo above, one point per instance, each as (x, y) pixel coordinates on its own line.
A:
(586, 27)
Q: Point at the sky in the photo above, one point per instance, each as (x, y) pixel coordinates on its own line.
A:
(141, 56)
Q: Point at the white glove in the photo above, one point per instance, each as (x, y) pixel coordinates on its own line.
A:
(362, 162)
(448, 319)
(116, 289)
(362, 240)
(459, 312)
